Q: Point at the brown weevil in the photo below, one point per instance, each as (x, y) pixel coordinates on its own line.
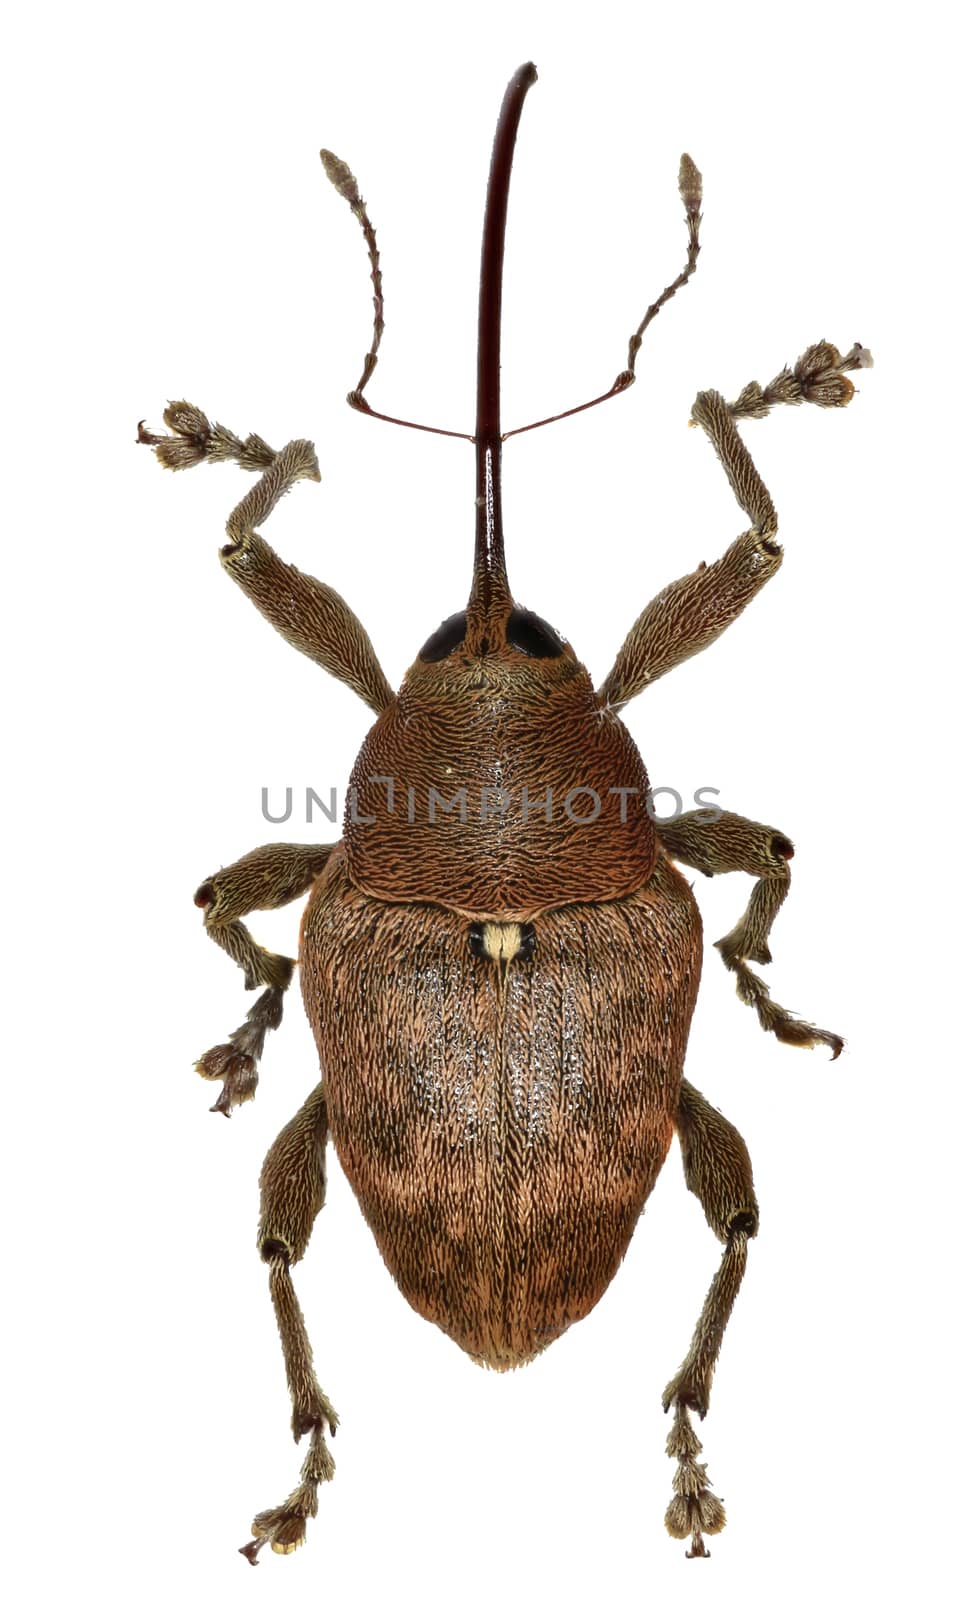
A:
(500, 958)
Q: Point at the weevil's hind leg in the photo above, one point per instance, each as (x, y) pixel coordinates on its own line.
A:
(729, 843)
(311, 616)
(292, 1194)
(719, 1172)
(263, 880)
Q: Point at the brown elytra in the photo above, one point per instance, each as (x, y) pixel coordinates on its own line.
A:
(501, 1122)
(500, 959)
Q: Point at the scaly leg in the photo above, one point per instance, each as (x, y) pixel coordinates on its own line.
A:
(689, 614)
(310, 615)
(719, 1173)
(292, 1194)
(263, 880)
(729, 843)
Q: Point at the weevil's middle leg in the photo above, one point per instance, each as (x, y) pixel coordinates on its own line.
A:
(263, 880)
(718, 1171)
(728, 843)
(292, 1194)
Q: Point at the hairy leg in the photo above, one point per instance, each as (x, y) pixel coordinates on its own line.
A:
(718, 1171)
(292, 1194)
(310, 615)
(689, 614)
(729, 843)
(263, 880)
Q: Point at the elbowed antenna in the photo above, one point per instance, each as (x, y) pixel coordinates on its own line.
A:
(689, 184)
(490, 603)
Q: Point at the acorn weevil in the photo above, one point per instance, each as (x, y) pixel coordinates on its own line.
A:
(499, 959)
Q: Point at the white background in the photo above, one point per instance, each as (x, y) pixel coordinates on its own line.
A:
(172, 233)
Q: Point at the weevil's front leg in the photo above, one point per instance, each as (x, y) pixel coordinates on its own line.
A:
(718, 1171)
(292, 1194)
(263, 880)
(729, 843)
(689, 614)
(310, 615)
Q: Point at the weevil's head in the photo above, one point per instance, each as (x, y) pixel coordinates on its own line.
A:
(512, 652)
(494, 644)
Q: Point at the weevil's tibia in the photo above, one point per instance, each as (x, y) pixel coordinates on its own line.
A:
(292, 1194)
(718, 1171)
(694, 1510)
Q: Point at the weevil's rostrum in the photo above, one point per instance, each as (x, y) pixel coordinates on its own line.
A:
(500, 958)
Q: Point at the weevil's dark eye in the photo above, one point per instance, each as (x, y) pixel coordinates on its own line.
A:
(529, 633)
(447, 637)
